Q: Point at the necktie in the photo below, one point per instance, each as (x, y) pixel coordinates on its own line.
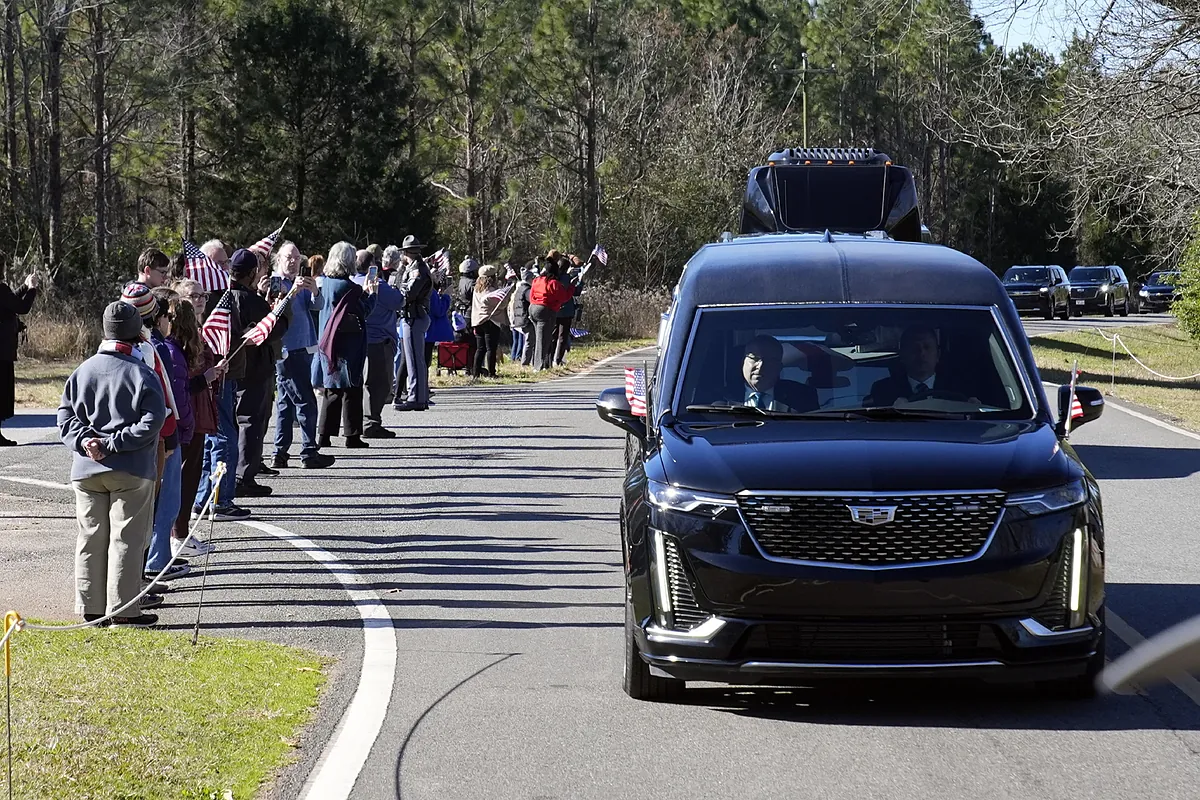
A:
(920, 387)
(755, 400)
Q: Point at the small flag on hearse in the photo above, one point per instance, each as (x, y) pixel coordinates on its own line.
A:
(635, 390)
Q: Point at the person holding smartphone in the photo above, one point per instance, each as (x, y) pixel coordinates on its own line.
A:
(383, 303)
(295, 401)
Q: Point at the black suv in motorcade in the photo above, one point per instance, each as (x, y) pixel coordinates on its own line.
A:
(1100, 289)
(1160, 291)
(1044, 289)
(849, 467)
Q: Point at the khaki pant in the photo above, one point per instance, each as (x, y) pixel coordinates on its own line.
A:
(115, 511)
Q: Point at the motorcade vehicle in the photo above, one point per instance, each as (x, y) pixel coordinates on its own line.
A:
(854, 474)
(1039, 288)
(1159, 292)
(1103, 289)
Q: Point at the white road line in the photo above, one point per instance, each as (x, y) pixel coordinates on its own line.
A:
(1125, 632)
(336, 771)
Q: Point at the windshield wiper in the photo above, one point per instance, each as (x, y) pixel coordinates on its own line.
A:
(753, 411)
(891, 412)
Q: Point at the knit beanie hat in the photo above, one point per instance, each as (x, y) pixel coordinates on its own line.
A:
(138, 295)
(469, 266)
(122, 322)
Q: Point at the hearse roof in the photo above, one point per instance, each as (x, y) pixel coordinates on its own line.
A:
(791, 268)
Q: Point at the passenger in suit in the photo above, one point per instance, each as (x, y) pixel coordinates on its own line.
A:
(919, 355)
(763, 389)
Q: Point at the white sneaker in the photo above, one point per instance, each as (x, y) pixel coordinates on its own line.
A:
(193, 549)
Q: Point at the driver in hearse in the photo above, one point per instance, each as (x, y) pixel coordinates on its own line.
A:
(919, 356)
(761, 367)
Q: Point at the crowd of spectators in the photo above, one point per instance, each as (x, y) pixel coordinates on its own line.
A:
(150, 416)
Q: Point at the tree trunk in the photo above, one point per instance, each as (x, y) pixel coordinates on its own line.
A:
(187, 121)
(55, 38)
(10, 101)
(100, 156)
(35, 204)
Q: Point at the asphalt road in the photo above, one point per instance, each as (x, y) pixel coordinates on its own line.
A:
(1036, 325)
(489, 530)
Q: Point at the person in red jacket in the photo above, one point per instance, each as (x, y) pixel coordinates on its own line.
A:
(547, 295)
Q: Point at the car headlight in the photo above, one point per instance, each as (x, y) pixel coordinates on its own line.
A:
(1047, 501)
(665, 497)
(1044, 289)
(1104, 287)
(1144, 293)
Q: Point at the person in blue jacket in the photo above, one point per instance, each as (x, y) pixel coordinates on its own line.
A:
(440, 328)
(384, 304)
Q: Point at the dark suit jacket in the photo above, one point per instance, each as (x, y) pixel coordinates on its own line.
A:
(887, 391)
(796, 396)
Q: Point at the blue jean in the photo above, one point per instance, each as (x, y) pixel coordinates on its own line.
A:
(518, 345)
(166, 512)
(295, 401)
(221, 446)
(413, 346)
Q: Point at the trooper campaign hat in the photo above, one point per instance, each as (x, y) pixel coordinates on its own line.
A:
(412, 243)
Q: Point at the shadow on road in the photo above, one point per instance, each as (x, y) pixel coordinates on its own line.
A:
(1124, 462)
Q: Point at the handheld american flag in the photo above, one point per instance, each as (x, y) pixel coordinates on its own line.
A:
(259, 333)
(600, 254)
(440, 260)
(578, 333)
(500, 293)
(202, 269)
(216, 329)
(635, 390)
(266, 244)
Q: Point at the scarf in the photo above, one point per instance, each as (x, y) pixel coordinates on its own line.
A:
(329, 335)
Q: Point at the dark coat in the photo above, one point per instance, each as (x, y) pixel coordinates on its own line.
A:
(350, 338)
(796, 396)
(12, 305)
(887, 391)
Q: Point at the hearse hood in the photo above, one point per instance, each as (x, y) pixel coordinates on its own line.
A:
(875, 456)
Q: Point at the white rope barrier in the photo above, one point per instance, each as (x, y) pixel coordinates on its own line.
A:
(1116, 339)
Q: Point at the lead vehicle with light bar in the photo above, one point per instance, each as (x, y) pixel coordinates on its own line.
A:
(849, 467)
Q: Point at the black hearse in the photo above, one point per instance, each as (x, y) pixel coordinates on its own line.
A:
(849, 468)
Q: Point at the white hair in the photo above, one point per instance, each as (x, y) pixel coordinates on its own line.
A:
(391, 256)
(212, 245)
(340, 263)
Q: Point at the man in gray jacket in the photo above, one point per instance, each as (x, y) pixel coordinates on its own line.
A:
(111, 412)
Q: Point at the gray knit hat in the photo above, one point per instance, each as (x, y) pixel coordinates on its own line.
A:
(122, 322)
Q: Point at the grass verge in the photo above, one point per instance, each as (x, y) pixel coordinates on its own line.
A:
(40, 383)
(580, 357)
(1163, 347)
(124, 714)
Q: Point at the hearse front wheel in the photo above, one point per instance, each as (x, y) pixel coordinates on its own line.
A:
(638, 682)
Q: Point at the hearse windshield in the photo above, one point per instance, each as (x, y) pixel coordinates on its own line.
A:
(846, 361)
(1026, 274)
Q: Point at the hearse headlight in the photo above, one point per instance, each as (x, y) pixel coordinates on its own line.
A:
(665, 497)
(1047, 501)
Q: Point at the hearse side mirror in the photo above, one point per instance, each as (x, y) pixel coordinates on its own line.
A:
(613, 408)
(1090, 400)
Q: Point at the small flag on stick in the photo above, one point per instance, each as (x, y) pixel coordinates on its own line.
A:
(216, 329)
(600, 254)
(266, 244)
(635, 390)
(578, 333)
(259, 333)
(1076, 407)
(500, 293)
(202, 269)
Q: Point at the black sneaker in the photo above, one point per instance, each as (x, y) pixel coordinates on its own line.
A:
(355, 443)
(319, 461)
(324, 442)
(252, 489)
(151, 601)
(378, 432)
(280, 462)
(263, 469)
(140, 621)
(176, 570)
(94, 617)
(231, 513)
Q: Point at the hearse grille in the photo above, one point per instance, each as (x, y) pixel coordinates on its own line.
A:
(686, 611)
(841, 641)
(925, 528)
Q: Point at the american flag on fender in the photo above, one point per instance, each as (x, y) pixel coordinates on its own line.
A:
(216, 329)
(1076, 406)
(202, 269)
(601, 254)
(266, 244)
(635, 390)
(259, 333)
